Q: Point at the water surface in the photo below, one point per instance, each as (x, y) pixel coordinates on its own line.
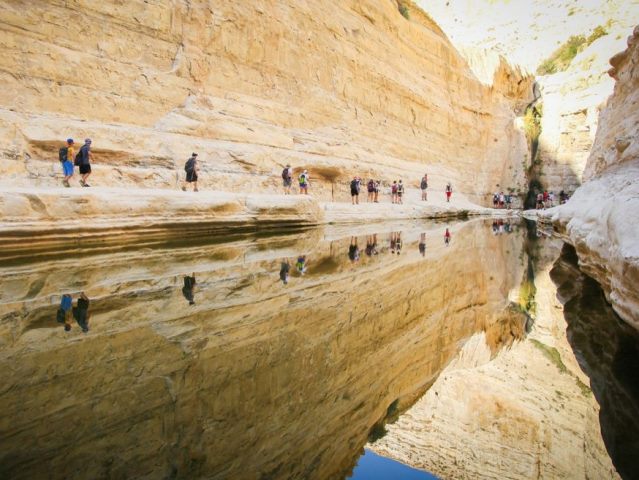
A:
(271, 357)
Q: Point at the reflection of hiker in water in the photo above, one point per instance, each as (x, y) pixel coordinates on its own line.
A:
(447, 237)
(371, 245)
(187, 289)
(285, 267)
(301, 264)
(422, 244)
(81, 312)
(64, 314)
(398, 242)
(353, 250)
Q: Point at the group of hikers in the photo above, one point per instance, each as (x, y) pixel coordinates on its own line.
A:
(501, 200)
(373, 187)
(545, 200)
(395, 245)
(66, 312)
(70, 159)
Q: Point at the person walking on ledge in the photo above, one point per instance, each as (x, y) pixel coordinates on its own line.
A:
(424, 185)
(304, 181)
(400, 192)
(355, 187)
(449, 191)
(287, 179)
(370, 188)
(65, 156)
(83, 159)
(191, 168)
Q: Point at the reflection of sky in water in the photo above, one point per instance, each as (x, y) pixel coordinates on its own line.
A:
(374, 467)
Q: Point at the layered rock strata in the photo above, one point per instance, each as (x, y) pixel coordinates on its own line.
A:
(250, 87)
(45, 222)
(600, 220)
(256, 378)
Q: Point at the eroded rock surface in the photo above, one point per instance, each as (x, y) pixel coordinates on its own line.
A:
(600, 220)
(251, 86)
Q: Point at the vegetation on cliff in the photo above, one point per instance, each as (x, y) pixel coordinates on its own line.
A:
(561, 58)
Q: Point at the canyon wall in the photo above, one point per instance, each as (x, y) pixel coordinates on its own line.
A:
(255, 379)
(600, 220)
(528, 33)
(340, 88)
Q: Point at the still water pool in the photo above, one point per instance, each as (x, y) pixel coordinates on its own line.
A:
(285, 356)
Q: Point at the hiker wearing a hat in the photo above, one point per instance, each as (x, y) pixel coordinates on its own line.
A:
(303, 180)
(84, 159)
(287, 179)
(191, 169)
(66, 157)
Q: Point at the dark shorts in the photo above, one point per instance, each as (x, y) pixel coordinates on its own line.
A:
(287, 182)
(191, 176)
(354, 193)
(84, 169)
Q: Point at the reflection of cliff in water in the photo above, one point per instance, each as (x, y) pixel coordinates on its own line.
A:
(256, 378)
(608, 352)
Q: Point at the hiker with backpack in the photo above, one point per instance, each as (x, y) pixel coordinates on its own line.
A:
(378, 186)
(400, 192)
(65, 155)
(287, 179)
(83, 159)
(424, 186)
(304, 182)
(191, 168)
(370, 188)
(449, 191)
(355, 188)
(394, 192)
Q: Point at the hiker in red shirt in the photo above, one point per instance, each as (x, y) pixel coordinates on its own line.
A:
(447, 237)
(449, 191)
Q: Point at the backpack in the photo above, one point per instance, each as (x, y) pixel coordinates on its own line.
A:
(400, 188)
(78, 157)
(189, 165)
(394, 188)
(285, 174)
(62, 154)
(302, 179)
(371, 186)
(424, 184)
(354, 185)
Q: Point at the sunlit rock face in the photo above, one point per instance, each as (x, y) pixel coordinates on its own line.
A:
(257, 378)
(340, 88)
(527, 412)
(601, 219)
(527, 33)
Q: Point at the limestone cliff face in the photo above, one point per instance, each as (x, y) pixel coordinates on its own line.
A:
(527, 33)
(601, 218)
(256, 379)
(572, 101)
(337, 87)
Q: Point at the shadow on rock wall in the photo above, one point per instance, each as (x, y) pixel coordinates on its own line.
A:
(608, 352)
